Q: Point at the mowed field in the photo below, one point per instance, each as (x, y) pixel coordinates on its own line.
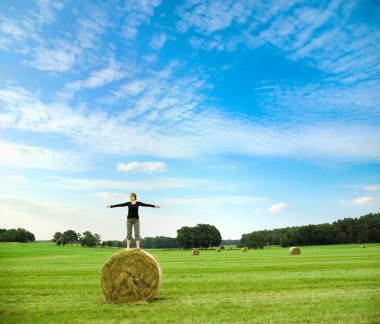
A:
(44, 283)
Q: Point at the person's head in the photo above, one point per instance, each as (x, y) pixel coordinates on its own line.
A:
(133, 196)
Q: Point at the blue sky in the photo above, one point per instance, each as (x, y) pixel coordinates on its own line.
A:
(246, 115)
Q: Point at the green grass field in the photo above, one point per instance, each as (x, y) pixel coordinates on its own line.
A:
(44, 283)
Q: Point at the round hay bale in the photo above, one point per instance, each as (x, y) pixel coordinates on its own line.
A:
(196, 252)
(294, 250)
(218, 249)
(131, 276)
(244, 249)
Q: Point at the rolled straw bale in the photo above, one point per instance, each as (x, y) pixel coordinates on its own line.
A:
(244, 249)
(196, 252)
(218, 249)
(131, 276)
(294, 250)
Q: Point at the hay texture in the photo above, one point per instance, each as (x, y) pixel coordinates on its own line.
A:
(196, 252)
(131, 276)
(244, 249)
(219, 250)
(294, 250)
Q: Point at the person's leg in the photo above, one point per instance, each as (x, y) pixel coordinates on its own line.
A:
(129, 233)
(137, 233)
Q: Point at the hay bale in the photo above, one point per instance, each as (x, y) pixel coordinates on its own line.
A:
(244, 249)
(294, 250)
(196, 252)
(218, 249)
(131, 276)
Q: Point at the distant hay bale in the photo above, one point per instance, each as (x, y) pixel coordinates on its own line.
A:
(294, 250)
(131, 276)
(244, 249)
(196, 252)
(218, 249)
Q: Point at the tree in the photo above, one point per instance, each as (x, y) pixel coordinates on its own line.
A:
(284, 241)
(207, 235)
(58, 238)
(369, 228)
(98, 239)
(16, 235)
(185, 237)
(294, 236)
(202, 235)
(255, 240)
(88, 239)
(70, 236)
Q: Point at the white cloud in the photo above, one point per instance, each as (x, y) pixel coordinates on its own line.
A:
(47, 10)
(100, 78)
(137, 14)
(153, 184)
(60, 58)
(92, 27)
(36, 157)
(362, 201)
(132, 88)
(17, 31)
(16, 179)
(321, 32)
(11, 29)
(167, 121)
(209, 17)
(314, 101)
(158, 41)
(279, 208)
(372, 188)
(143, 167)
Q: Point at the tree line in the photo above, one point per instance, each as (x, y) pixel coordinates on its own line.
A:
(16, 235)
(365, 229)
(72, 237)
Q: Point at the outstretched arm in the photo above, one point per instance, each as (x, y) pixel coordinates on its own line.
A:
(149, 205)
(119, 205)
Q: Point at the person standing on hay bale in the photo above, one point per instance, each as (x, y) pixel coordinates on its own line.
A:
(133, 217)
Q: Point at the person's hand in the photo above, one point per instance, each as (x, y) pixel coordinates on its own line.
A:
(157, 206)
(109, 206)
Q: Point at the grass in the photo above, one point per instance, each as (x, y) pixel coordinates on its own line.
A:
(44, 283)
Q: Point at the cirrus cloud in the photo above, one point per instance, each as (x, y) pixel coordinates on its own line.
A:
(372, 188)
(143, 167)
(361, 201)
